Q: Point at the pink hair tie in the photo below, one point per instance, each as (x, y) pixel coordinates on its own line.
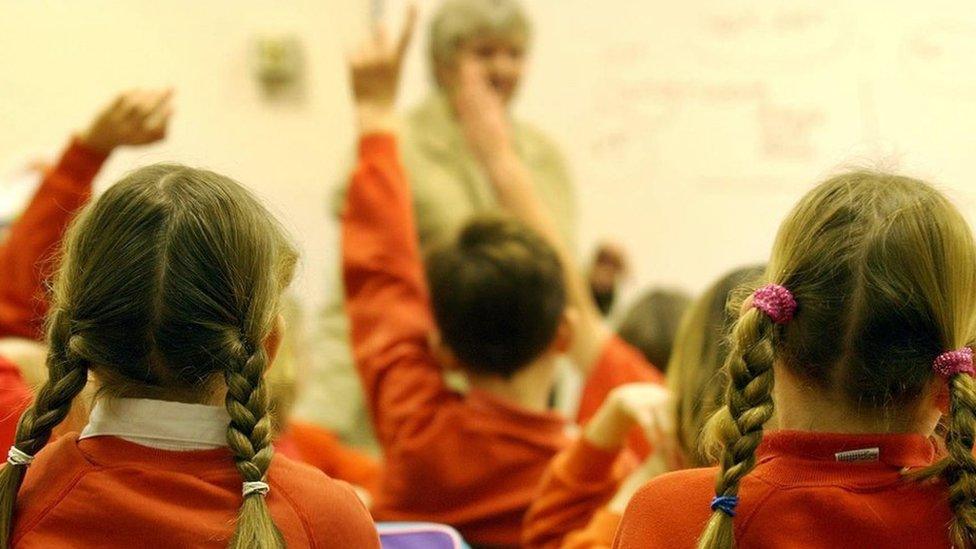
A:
(776, 301)
(955, 362)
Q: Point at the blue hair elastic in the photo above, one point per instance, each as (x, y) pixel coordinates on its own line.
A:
(725, 504)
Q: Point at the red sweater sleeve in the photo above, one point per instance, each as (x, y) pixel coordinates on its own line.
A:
(386, 295)
(34, 237)
(580, 480)
(598, 534)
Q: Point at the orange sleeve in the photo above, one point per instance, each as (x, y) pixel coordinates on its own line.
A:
(598, 534)
(580, 480)
(25, 254)
(386, 296)
(321, 449)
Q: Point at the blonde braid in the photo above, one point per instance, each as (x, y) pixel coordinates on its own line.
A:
(249, 437)
(68, 374)
(739, 424)
(959, 469)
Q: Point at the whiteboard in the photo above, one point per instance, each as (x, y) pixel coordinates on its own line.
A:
(693, 127)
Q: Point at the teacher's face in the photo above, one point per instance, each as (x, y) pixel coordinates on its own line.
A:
(502, 59)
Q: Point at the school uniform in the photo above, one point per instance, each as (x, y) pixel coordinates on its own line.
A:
(15, 397)
(810, 490)
(153, 473)
(471, 461)
(321, 449)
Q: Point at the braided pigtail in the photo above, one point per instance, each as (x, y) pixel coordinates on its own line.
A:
(738, 426)
(958, 469)
(68, 373)
(249, 437)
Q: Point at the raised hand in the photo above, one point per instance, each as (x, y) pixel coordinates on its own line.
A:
(374, 70)
(642, 404)
(135, 117)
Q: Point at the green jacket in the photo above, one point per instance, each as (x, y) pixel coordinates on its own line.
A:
(448, 184)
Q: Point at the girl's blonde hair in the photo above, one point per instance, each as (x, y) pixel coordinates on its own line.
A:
(883, 268)
(695, 368)
(168, 287)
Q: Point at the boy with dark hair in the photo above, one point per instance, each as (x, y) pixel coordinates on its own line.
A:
(495, 309)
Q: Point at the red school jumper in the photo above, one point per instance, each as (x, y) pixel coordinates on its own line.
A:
(471, 461)
(107, 492)
(803, 493)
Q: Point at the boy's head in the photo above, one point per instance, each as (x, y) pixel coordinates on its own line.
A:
(498, 296)
(651, 323)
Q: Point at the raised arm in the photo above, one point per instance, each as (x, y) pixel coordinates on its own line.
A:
(385, 290)
(487, 129)
(133, 118)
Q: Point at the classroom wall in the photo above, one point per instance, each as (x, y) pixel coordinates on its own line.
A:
(691, 127)
(62, 60)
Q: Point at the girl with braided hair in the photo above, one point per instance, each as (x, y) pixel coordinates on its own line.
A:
(167, 299)
(860, 344)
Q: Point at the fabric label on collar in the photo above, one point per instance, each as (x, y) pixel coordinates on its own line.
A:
(864, 454)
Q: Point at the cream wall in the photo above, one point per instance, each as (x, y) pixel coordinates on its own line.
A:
(691, 127)
(59, 61)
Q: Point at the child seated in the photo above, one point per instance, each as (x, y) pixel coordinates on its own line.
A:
(841, 366)
(167, 298)
(495, 309)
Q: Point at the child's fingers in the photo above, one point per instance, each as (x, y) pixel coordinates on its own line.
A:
(134, 106)
(406, 33)
(116, 103)
(381, 37)
(645, 420)
(156, 123)
(157, 101)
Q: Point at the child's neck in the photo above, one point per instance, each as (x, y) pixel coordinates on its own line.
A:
(530, 387)
(799, 407)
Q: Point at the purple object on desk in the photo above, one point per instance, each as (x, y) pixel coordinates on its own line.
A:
(418, 535)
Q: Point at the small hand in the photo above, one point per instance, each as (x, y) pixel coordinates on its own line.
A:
(375, 71)
(643, 404)
(133, 118)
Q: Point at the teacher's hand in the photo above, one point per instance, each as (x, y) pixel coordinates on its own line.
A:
(482, 115)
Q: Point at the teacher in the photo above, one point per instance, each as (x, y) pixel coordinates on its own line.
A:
(449, 185)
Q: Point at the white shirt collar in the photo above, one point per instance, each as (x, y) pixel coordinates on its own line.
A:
(159, 424)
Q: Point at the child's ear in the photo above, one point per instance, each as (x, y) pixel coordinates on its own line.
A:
(566, 331)
(272, 343)
(445, 357)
